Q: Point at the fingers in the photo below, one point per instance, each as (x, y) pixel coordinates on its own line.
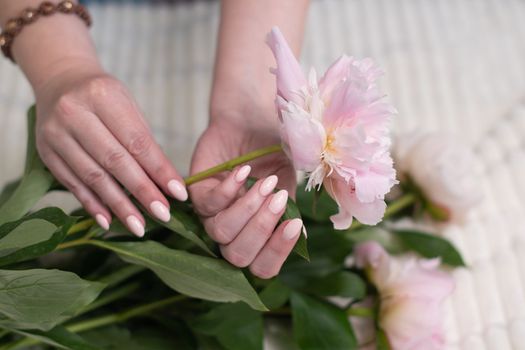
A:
(227, 224)
(127, 126)
(212, 196)
(98, 180)
(114, 159)
(244, 248)
(271, 258)
(85, 196)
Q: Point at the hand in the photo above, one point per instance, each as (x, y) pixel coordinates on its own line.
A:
(92, 136)
(244, 222)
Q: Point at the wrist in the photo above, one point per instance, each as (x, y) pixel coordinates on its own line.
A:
(52, 44)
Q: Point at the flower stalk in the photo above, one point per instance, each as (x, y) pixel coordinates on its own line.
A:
(232, 163)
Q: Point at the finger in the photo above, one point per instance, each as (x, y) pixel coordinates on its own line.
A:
(89, 200)
(115, 159)
(245, 247)
(127, 125)
(210, 200)
(98, 180)
(226, 225)
(269, 261)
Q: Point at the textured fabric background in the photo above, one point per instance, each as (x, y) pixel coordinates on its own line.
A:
(451, 65)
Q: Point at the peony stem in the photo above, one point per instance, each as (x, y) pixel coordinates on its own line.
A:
(232, 163)
(97, 322)
(81, 226)
(393, 208)
(360, 312)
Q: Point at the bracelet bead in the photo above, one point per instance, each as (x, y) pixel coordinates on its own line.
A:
(14, 26)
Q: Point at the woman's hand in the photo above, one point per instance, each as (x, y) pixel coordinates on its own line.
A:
(92, 137)
(245, 222)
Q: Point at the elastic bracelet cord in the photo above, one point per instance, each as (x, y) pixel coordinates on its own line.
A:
(14, 26)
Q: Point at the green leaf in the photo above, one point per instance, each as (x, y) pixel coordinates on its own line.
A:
(194, 275)
(184, 225)
(375, 233)
(328, 251)
(33, 235)
(292, 212)
(381, 340)
(58, 337)
(319, 325)
(8, 190)
(275, 295)
(236, 326)
(33, 185)
(430, 246)
(40, 299)
(341, 283)
(315, 205)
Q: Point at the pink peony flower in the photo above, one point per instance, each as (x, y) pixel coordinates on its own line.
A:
(336, 130)
(412, 291)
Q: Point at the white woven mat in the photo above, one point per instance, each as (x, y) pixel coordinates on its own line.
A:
(451, 65)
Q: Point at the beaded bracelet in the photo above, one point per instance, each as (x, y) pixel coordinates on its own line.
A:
(14, 26)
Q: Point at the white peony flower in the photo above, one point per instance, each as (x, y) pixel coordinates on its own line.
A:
(445, 170)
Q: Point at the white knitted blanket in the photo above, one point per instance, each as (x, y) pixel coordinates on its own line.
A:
(454, 65)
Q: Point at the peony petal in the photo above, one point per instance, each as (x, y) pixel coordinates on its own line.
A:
(336, 73)
(290, 77)
(304, 137)
(370, 186)
(342, 193)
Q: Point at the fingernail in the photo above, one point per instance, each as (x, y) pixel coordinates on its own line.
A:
(243, 173)
(135, 226)
(178, 190)
(268, 185)
(293, 229)
(160, 211)
(102, 221)
(278, 201)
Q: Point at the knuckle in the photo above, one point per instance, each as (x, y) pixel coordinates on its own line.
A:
(66, 107)
(261, 225)
(102, 86)
(140, 144)
(220, 235)
(143, 189)
(114, 159)
(236, 259)
(263, 273)
(48, 131)
(94, 177)
(251, 206)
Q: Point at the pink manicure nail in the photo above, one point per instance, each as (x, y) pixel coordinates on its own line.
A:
(160, 211)
(293, 229)
(243, 173)
(278, 202)
(135, 226)
(102, 221)
(268, 185)
(178, 190)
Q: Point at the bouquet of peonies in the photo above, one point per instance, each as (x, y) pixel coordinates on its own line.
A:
(65, 282)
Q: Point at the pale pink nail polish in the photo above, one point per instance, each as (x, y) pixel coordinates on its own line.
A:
(293, 229)
(102, 221)
(160, 211)
(268, 185)
(135, 226)
(178, 190)
(278, 202)
(243, 173)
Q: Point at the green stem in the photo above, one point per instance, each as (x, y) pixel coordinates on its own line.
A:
(121, 275)
(81, 226)
(97, 322)
(393, 208)
(119, 317)
(232, 163)
(72, 244)
(360, 312)
(111, 296)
